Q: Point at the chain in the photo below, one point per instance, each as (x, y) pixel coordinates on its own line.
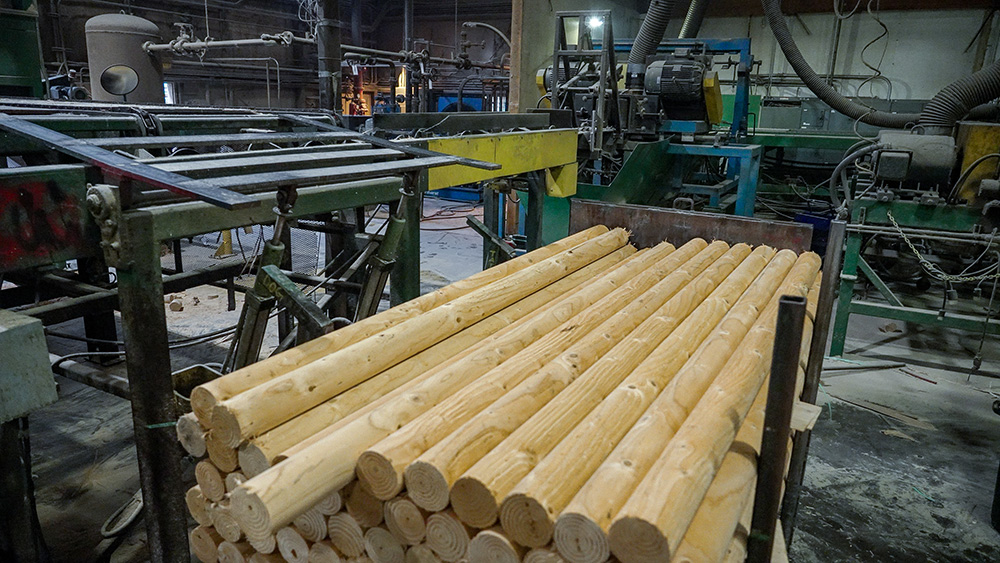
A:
(933, 270)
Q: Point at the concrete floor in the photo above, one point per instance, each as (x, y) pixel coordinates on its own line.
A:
(917, 487)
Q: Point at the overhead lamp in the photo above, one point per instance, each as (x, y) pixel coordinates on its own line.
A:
(595, 22)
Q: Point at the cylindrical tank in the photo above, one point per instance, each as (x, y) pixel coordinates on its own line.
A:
(117, 39)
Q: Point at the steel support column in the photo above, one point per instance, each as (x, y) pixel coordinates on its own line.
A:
(140, 291)
(328, 50)
(404, 281)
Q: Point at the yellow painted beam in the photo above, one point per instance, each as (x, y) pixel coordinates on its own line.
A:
(552, 150)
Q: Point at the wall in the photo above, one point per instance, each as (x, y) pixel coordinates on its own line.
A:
(924, 50)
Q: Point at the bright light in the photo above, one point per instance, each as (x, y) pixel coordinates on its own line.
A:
(595, 22)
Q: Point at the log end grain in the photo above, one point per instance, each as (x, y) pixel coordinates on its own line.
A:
(202, 403)
(426, 486)
(421, 554)
(210, 480)
(346, 534)
(474, 503)
(323, 552)
(363, 505)
(230, 552)
(635, 539)
(226, 525)
(311, 524)
(205, 543)
(330, 504)
(580, 539)
(543, 555)
(253, 518)
(405, 520)
(197, 505)
(382, 547)
(378, 474)
(226, 427)
(292, 546)
(223, 456)
(265, 545)
(526, 521)
(233, 480)
(491, 546)
(191, 435)
(252, 460)
(447, 536)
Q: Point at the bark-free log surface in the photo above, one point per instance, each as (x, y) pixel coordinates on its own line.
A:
(476, 496)
(382, 547)
(205, 397)
(430, 477)
(651, 529)
(267, 405)
(528, 513)
(493, 546)
(276, 496)
(581, 529)
(346, 534)
(405, 520)
(447, 536)
(191, 435)
(205, 543)
(263, 451)
(382, 466)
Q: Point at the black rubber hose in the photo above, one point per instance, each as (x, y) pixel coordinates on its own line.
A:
(692, 20)
(959, 98)
(841, 169)
(654, 25)
(818, 85)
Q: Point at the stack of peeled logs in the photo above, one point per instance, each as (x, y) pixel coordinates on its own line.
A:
(583, 402)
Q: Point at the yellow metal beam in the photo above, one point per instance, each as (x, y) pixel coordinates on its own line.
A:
(552, 150)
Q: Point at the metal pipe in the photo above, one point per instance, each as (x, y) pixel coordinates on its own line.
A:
(777, 424)
(814, 368)
(693, 19)
(491, 28)
(328, 50)
(961, 238)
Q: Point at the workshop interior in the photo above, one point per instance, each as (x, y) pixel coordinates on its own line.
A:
(412, 281)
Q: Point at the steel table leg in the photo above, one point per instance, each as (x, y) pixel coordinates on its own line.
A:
(140, 291)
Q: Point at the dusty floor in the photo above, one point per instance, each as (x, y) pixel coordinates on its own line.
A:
(877, 488)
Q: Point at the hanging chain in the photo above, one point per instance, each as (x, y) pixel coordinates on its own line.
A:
(933, 270)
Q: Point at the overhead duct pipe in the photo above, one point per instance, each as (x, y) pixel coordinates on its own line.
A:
(692, 20)
(953, 103)
(654, 25)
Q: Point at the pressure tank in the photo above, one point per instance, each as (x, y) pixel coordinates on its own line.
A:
(114, 45)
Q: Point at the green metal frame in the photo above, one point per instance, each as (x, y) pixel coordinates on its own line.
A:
(936, 219)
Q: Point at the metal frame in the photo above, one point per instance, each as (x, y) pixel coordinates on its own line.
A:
(953, 223)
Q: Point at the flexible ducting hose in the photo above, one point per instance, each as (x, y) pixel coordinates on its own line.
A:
(841, 170)
(959, 98)
(692, 21)
(818, 85)
(654, 25)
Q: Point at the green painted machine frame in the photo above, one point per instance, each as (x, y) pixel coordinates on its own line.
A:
(916, 220)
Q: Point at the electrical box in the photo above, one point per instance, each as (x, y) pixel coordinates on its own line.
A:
(26, 381)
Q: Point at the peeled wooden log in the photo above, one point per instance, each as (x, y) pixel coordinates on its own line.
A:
(210, 481)
(292, 546)
(311, 524)
(191, 435)
(223, 456)
(543, 555)
(346, 534)
(421, 554)
(493, 546)
(430, 477)
(230, 552)
(323, 552)
(405, 520)
(205, 543)
(205, 397)
(476, 496)
(381, 466)
(276, 496)
(581, 529)
(262, 451)
(528, 512)
(650, 529)
(267, 405)
(382, 547)
(233, 480)
(330, 504)
(197, 505)
(362, 505)
(447, 536)
(263, 543)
